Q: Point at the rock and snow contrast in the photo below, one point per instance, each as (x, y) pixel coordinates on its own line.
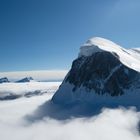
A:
(104, 74)
(4, 80)
(26, 79)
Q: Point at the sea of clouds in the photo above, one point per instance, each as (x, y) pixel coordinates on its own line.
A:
(110, 124)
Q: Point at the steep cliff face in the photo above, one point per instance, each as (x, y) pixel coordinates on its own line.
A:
(100, 73)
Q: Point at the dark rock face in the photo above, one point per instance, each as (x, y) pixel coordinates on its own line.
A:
(27, 79)
(4, 80)
(103, 73)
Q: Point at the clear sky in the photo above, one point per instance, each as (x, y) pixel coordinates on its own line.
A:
(47, 34)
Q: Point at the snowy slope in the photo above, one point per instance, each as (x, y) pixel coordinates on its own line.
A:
(97, 44)
(135, 52)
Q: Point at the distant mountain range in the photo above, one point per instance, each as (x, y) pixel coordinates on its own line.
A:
(26, 79)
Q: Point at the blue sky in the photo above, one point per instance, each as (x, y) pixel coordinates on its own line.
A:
(47, 34)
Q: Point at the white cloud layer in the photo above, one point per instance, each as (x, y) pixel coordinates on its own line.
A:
(111, 124)
(37, 75)
(7, 89)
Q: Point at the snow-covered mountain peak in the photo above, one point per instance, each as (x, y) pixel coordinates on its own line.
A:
(103, 74)
(4, 80)
(98, 41)
(98, 44)
(26, 79)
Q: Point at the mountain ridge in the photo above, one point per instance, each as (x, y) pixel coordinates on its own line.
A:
(101, 73)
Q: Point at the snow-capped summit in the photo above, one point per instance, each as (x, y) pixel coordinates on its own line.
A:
(4, 80)
(104, 73)
(26, 79)
(98, 44)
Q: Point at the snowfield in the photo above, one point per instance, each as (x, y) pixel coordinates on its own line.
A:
(117, 124)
